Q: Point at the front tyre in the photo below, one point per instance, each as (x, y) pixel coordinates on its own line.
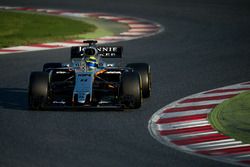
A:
(145, 72)
(38, 90)
(131, 89)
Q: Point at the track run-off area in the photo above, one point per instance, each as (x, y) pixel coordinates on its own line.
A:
(137, 28)
(184, 125)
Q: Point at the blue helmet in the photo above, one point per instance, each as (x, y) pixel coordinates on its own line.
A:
(91, 63)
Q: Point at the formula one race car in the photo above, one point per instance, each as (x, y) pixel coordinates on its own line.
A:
(89, 82)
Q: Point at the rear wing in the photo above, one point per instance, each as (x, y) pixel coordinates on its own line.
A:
(103, 51)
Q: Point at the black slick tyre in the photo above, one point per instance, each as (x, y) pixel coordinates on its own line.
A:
(38, 90)
(145, 72)
(131, 89)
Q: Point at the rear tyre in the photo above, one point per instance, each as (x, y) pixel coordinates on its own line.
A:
(131, 89)
(145, 72)
(48, 66)
(38, 90)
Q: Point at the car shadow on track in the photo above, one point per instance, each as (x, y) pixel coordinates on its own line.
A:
(16, 99)
(13, 98)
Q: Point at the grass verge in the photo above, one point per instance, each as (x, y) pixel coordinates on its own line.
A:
(232, 117)
(19, 28)
(24, 28)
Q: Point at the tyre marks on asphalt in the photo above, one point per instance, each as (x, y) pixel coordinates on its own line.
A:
(184, 125)
(137, 28)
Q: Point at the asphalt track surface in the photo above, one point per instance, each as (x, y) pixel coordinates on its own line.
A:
(205, 45)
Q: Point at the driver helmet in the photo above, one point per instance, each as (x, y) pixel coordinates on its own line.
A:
(89, 51)
(91, 63)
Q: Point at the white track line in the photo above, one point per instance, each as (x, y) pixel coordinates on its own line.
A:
(183, 113)
(199, 103)
(185, 136)
(190, 124)
(212, 142)
(215, 146)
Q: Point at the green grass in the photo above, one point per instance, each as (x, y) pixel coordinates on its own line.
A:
(232, 117)
(19, 28)
(104, 28)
